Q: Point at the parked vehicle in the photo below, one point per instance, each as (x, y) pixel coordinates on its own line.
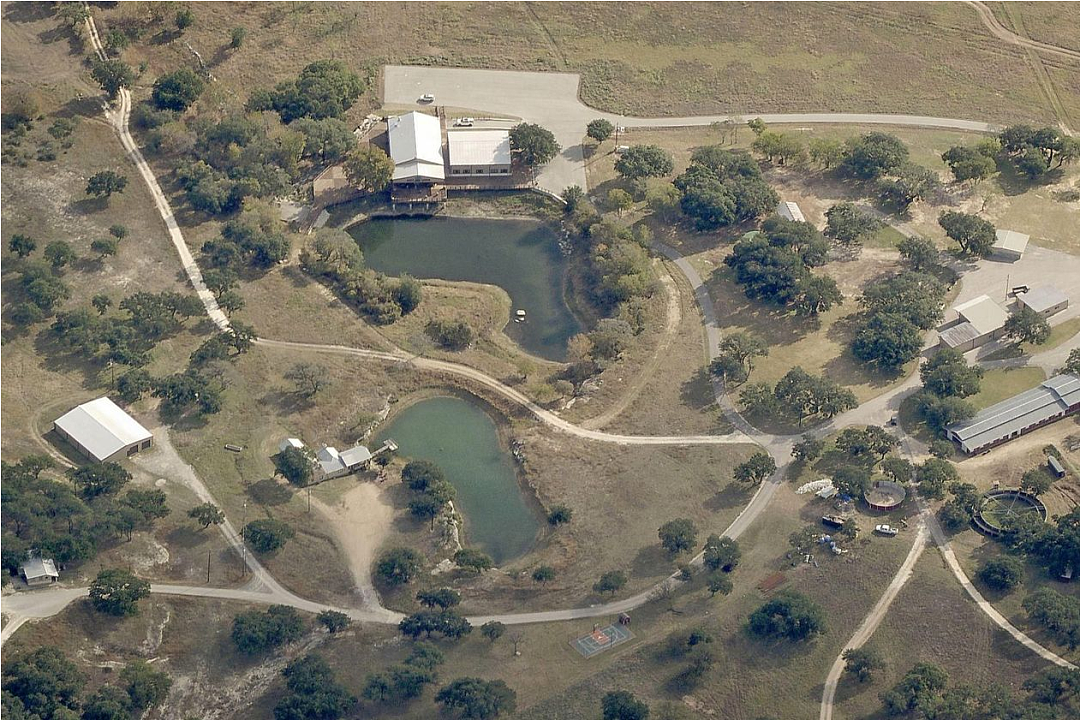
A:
(427, 97)
(464, 122)
(620, 149)
(835, 521)
(886, 530)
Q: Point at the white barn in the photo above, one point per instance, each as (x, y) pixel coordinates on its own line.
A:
(416, 148)
(102, 431)
(479, 152)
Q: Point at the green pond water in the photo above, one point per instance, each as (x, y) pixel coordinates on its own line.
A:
(462, 440)
(520, 256)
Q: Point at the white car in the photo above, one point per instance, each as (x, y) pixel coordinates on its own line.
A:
(464, 122)
(427, 97)
(886, 530)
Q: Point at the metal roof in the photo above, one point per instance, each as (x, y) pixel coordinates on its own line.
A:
(479, 147)
(102, 428)
(355, 456)
(957, 335)
(999, 421)
(1043, 298)
(983, 313)
(1011, 240)
(416, 146)
(791, 211)
(37, 567)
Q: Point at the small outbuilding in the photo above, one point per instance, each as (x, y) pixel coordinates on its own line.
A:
(790, 211)
(39, 571)
(102, 431)
(978, 321)
(1045, 300)
(479, 152)
(1056, 466)
(1009, 245)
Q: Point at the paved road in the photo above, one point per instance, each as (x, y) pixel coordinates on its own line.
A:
(551, 100)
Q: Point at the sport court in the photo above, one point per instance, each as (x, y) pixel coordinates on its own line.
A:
(602, 639)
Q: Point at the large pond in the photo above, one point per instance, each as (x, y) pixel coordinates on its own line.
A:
(520, 256)
(462, 439)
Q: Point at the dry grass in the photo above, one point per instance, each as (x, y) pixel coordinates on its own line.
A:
(933, 620)
(645, 59)
(678, 398)
(1049, 22)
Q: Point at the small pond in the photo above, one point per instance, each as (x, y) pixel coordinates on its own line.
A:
(462, 439)
(520, 256)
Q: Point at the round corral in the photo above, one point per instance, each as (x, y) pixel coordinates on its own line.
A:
(885, 495)
(998, 508)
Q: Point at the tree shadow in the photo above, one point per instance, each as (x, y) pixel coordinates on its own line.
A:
(88, 206)
(29, 12)
(731, 495)
(269, 492)
(776, 325)
(187, 537)
(287, 402)
(651, 561)
(87, 106)
(697, 392)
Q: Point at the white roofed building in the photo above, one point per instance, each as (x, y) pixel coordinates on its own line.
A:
(39, 571)
(416, 148)
(102, 431)
(479, 152)
(979, 321)
(790, 211)
(1009, 245)
(1045, 300)
(1054, 399)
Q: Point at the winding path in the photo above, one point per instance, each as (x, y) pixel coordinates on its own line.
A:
(986, 15)
(21, 607)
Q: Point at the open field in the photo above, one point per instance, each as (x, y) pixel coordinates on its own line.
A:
(1050, 22)
(998, 385)
(933, 620)
(751, 678)
(650, 59)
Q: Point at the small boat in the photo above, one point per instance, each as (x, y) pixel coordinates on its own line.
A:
(519, 316)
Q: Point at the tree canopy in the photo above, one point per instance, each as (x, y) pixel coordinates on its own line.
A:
(117, 592)
(975, 235)
(532, 144)
(789, 615)
(177, 90)
(476, 698)
(644, 161)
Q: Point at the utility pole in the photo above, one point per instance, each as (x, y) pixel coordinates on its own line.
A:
(309, 500)
(207, 567)
(243, 539)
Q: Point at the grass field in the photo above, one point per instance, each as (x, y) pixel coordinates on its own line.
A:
(651, 59)
(1051, 22)
(933, 620)
(998, 385)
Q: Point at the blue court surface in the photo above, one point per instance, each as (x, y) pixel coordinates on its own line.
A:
(600, 640)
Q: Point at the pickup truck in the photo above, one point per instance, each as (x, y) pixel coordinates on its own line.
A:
(886, 530)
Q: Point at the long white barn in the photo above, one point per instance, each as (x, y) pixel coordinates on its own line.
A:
(102, 431)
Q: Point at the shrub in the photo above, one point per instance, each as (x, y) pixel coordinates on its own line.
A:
(451, 334)
(267, 535)
(1002, 573)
